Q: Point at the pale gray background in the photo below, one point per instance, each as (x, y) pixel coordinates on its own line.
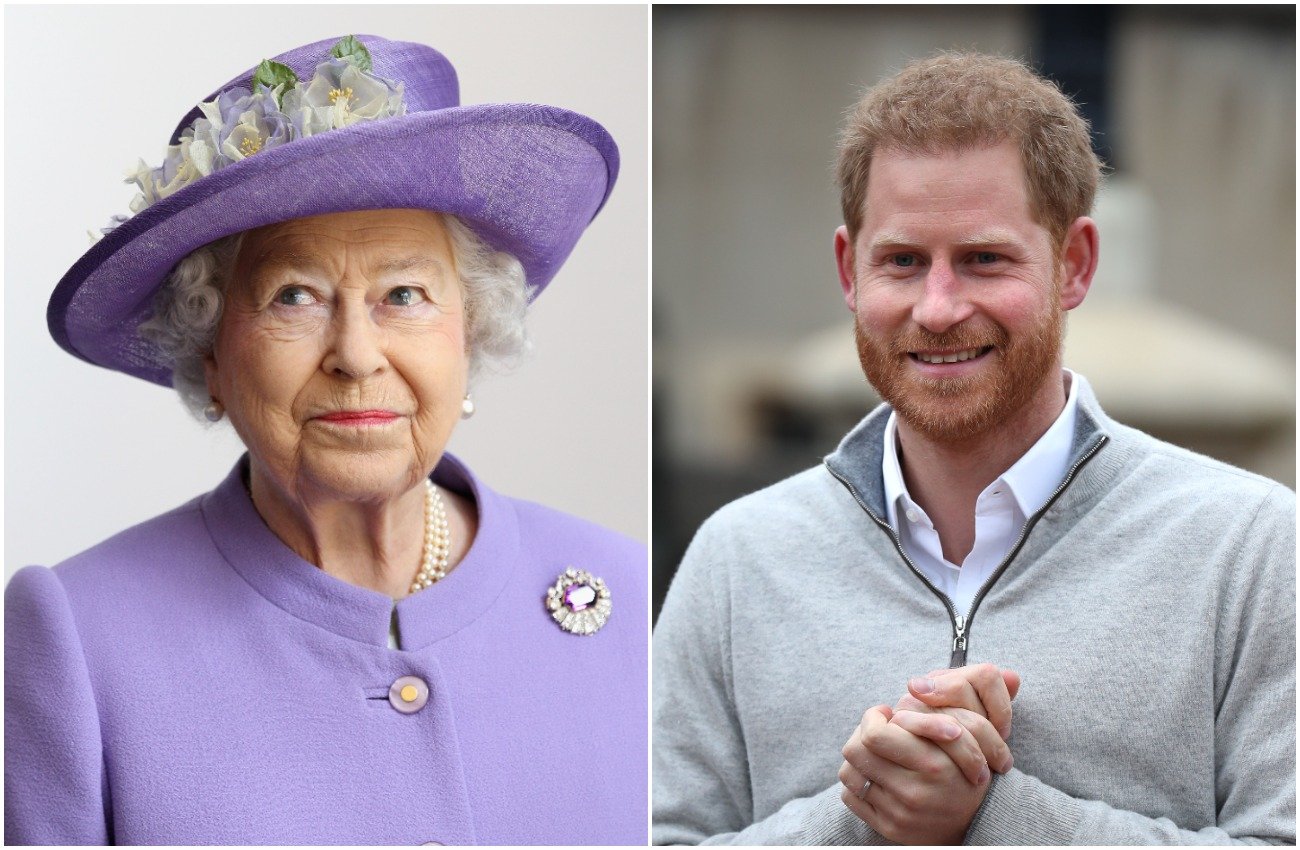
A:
(89, 452)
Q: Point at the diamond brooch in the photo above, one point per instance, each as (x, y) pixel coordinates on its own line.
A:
(579, 602)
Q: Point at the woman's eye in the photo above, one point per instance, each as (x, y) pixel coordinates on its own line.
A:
(293, 296)
(404, 296)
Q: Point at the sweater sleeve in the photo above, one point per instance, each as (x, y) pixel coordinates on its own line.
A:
(54, 763)
(1255, 735)
(702, 792)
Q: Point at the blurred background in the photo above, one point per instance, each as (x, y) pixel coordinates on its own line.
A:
(1188, 332)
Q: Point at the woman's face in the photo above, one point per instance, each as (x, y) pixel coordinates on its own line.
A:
(340, 357)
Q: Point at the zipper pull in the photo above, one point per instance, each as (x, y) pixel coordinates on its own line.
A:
(958, 658)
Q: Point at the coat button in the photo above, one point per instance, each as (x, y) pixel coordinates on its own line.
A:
(408, 694)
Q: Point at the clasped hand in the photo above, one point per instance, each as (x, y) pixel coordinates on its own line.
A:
(930, 757)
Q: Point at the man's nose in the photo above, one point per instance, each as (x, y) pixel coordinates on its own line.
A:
(942, 302)
(356, 343)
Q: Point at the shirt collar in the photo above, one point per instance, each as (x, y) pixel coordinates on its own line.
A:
(1032, 479)
(892, 470)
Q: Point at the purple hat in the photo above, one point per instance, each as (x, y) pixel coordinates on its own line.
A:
(267, 148)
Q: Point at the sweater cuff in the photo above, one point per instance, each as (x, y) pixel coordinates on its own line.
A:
(1020, 809)
(829, 821)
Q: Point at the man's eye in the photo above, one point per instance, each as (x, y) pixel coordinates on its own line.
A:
(904, 261)
(986, 257)
(294, 296)
(404, 296)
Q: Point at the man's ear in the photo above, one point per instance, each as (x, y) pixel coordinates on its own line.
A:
(844, 263)
(1078, 261)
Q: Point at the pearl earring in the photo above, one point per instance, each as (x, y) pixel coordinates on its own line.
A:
(213, 411)
(467, 407)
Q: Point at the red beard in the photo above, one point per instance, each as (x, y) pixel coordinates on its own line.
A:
(959, 409)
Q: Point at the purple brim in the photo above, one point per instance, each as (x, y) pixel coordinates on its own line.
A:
(527, 179)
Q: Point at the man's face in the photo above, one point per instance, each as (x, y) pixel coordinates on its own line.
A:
(955, 290)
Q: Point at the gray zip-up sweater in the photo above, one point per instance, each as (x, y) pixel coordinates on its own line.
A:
(1150, 608)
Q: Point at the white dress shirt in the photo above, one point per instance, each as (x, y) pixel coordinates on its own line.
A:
(1001, 510)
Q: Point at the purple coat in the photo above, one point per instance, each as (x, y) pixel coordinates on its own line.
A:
(192, 680)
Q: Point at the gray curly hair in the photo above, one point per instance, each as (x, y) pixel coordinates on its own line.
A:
(187, 309)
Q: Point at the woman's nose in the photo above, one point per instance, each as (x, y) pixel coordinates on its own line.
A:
(356, 347)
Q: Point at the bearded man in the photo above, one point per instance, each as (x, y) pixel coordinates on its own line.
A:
(988, 535)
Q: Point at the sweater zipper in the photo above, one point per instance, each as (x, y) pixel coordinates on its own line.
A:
(958, 657)
(961, 624)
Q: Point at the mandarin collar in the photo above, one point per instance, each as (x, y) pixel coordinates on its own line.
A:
(858, 461)
(303, 590)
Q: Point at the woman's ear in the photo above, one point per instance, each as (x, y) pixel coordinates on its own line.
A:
(210, 376)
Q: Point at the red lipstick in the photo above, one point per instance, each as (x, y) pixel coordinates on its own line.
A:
(359, 417)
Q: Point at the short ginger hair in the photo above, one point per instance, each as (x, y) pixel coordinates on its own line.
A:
(956, 101)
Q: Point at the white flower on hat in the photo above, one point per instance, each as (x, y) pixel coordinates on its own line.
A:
(240, 123)
(346, 94)
(307, 120)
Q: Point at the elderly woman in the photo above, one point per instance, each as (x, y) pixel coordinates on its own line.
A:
(352, 639)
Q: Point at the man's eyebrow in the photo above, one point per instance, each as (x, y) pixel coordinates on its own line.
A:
(895, 239)
(991, 237)
(889, 238)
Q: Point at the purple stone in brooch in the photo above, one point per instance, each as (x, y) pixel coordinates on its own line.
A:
(579, 602)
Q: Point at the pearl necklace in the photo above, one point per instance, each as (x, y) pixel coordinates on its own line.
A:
(437, 540)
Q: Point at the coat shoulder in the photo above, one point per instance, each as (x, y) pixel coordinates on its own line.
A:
(580, 543)
(134, 555)
(111, 585)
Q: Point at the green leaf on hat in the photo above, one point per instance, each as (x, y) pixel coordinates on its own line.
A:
(273, 75)
(352, 50)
